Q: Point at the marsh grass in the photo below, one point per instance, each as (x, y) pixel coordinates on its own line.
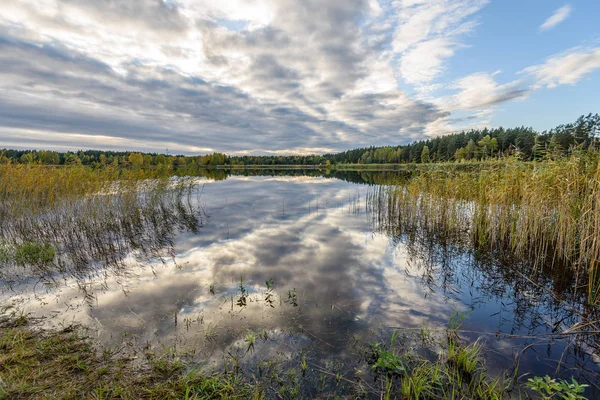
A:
(64, 364)
(546, 212)
(99, 234)
(457, 372)
(32, 188)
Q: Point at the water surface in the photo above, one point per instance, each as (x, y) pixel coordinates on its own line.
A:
(339, 273)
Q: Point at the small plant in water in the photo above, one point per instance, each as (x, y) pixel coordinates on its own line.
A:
(211, 288)
(467, 359)
(269, 293)
(552, 389)
(250, 339)
(34, 253)
(293, 297)
(303, 364)
(244, 294)
(425, 333)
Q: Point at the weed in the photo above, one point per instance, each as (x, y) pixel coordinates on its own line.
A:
(552, 389)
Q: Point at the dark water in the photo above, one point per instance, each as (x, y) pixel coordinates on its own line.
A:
(338, 276)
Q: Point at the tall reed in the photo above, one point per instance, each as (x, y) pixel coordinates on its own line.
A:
(33, 187)
(547, 212)
(94, 232)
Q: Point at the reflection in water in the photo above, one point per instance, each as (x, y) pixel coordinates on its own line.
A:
(508, 297)
(101, 236)
(287, 266)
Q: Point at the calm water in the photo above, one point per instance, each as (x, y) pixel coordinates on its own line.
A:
(339, 278)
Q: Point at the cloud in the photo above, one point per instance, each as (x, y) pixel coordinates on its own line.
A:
(567, 68)
(428, 32)
(479, 94)
(269, 76)
(423, 62)
(559, 16)
(480, 91)
(242, 76)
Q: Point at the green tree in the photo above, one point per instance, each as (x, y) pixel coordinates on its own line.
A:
(147, 160)
(49, 157)
(26, 158)
(471, 149)
(72, 159)
(160, 159)
(485, 145)
(493, 146)
(460, 154)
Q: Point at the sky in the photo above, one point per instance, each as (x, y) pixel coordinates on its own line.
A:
(288, 76)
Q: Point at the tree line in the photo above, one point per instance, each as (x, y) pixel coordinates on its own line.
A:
(97, 158)
(481, 144)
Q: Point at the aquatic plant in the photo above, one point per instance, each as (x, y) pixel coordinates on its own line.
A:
(34, 253)
(552, 389)
(545, 212)
(99, 230)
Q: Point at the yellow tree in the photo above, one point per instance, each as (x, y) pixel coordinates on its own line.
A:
(136, 159)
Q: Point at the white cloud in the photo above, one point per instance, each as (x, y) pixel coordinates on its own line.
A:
(268, 75)
(475, 99)
(428, 33)
(480, 91)
(564, 69)
(423, 62)
(559, 16)
(476, 96)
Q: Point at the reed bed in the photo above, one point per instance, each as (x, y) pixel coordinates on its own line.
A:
(29, 188)
(545, 212)
(99, 233)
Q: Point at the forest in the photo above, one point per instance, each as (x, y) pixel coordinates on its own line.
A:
(474, 145)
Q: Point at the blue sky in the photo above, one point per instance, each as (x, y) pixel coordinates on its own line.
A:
(495, 47)
(287, 76)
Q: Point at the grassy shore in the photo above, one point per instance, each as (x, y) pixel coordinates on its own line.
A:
(65, 364)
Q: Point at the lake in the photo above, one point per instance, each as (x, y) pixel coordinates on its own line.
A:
(304, 267)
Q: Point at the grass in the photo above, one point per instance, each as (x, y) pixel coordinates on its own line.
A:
(547, 212)
(40, 364)
(72, 238)
(30, 188)
(34, 253)
(64, 364)
(458, 372)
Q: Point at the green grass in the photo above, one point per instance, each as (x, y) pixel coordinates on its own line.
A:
(34, 253)
(458, 372)
(65, 365)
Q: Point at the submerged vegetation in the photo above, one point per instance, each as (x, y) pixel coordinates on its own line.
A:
(83, 236)
(65, 364)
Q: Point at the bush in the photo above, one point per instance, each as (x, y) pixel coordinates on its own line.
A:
(34, 253)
